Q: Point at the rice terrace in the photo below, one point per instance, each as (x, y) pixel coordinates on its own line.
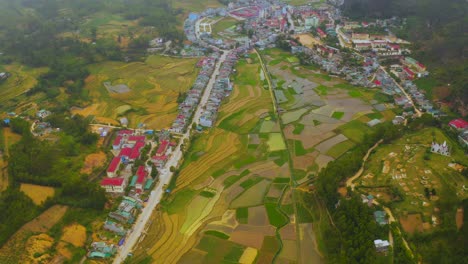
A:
(233, 131)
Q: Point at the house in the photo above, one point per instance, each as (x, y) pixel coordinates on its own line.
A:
(401, 101)
(373, 122)
(117, 144)
(43, 113)
(113, 167)
(458, 124)
(380, 217)
(321, 33)
(113, 185)
(102, 250)
(381, 245)
(398, 120)
(463, 138)
(162, 148)
(124, 121)
(4, 75)
(442, 149)
(114, 227)
(141, 179)
(135, 139)
(409, 73)
(206, 121)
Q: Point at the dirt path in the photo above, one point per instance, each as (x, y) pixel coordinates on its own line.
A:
(391, 218)
(349, 182)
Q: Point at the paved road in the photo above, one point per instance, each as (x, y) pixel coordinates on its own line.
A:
(165, 175)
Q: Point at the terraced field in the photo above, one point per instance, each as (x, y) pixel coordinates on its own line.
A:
(155, 85)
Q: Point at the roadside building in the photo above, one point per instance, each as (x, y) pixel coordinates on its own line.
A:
(381, 245)
(459, 124)
(113, 167)
(113, 185)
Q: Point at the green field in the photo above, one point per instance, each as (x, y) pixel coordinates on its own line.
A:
(223, 24)
(338, 115)
(275, 142)
(354, 130)
(339, 149)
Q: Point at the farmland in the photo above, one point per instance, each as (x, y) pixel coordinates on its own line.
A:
(223, 161)
(154, 87)
(37, 193)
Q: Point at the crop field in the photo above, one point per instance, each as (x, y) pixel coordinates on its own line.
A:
(275, 142)
(252, 196)
(196, 5)
(408, 166)
(21, 80)
(155, 85)
(36, 192)
(15, 249)
(74, 234)
(340, 148)
(293, 116)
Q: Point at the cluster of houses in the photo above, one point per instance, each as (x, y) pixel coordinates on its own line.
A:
(188, 106)
(128, 146)
(221, 89)
(4, 75)
(101, 250)
(462, 127)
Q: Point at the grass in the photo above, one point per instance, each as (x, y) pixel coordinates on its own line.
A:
(355, 93)
(252, 196)
(298, 128)
(250, 182)
(217, 234)
(322, 89)
(181, 199)
(375, 115)
(223, 24)
(299, 149)
(229, 181)
(207, 194)
(275, 218)
(242, 215)
(338, 115)
(275, 142)
(354, 130)
(339, 149)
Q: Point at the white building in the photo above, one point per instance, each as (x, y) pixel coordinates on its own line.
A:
(113, 185)
(442, 149)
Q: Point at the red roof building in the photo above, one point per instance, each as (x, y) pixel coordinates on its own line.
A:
(321, 33)
(114, 165)
(134, 139)
(125, 152)
(115, 185)
(458, 124)
(141, 178)
(409, 72)
(117, 142)
(136, 150)
(377, 82)
(162, 148)
(125, 132)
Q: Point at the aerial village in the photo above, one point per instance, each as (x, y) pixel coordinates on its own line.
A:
(138, 155)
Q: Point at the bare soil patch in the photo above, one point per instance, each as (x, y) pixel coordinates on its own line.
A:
(412, 223)
(92, 161)
(74, 234)
(288, 232)
(459, 218)
(258, 216)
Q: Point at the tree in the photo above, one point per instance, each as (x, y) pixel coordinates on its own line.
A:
(172, 169)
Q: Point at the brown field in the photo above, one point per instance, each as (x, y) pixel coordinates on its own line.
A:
(3, 175)
(308, 40)
(324, 146)
(40, 224)
(289, 250)
(37, 193)
(10, 139)
(275, 190)
(268, 169)
(459, 218)
(248, 238)
(258, 216)
(288, 232)
(411, 223)
(307, 244)
(323, 160)
(311, 135)
(304, 162)
(92, 161)
(74, 234)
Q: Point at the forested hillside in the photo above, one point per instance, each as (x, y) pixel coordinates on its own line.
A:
(438, 29)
